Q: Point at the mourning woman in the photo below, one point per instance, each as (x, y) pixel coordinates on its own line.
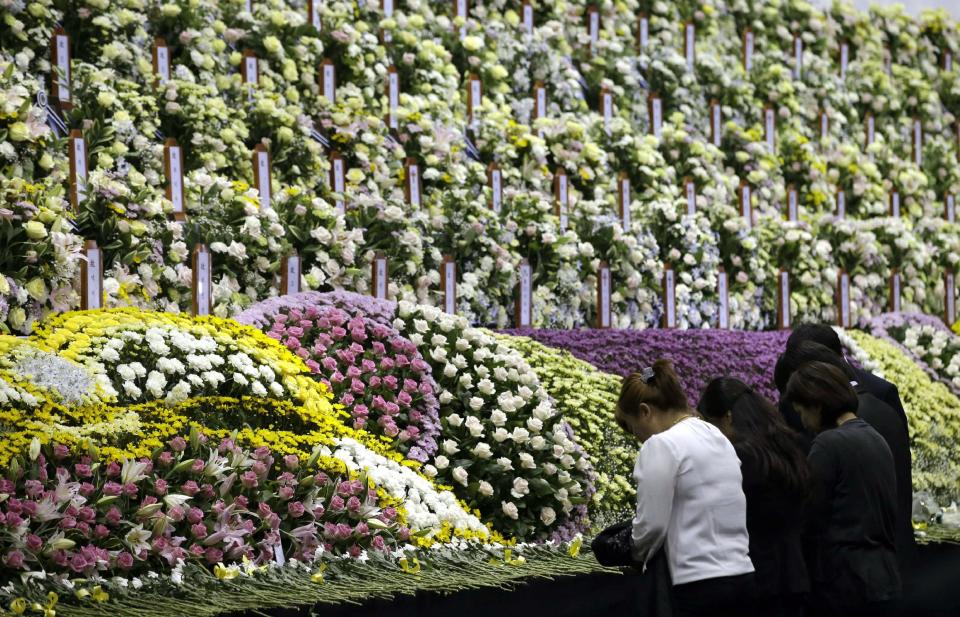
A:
(776, 482)
(689, 496)
(851, 525)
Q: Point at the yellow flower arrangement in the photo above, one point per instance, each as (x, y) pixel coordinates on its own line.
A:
(933, 415)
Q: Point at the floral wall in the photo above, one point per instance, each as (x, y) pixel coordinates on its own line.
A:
(826, 75)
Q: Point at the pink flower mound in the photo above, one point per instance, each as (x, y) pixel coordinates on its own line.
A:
(70, 516)
(376, 374)
(261, 313)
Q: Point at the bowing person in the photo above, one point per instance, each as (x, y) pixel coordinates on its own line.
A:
(776, 482)
(852, 520)
(885, 420)
(828, 337)
(689, 496)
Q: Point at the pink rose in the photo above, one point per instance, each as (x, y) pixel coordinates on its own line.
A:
(295, 509)
(14, 559)
(114, 516)
(213, 555)
(249, 479)
(125, 560)
(33, 542)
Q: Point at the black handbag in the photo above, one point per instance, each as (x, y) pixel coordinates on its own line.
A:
(612, 547)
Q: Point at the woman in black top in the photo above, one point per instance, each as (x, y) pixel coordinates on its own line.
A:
(852, 555)
(775, 482)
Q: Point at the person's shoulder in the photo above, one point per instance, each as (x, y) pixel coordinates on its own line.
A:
(875, 383)
(660, 443)
(698, 428)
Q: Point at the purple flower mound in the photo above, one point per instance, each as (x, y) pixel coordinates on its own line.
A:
(378, 375)
(697, 355)
(261, 313)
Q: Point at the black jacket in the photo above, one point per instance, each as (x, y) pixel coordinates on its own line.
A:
(850, 537)
(883, 390)
(886, 421)
(891, 422)
(775, 525)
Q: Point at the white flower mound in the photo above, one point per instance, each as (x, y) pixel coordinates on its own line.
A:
(181, 365)
(862, 357)
(48, 371)
(505, 450)
(427, 508)
(929, 343)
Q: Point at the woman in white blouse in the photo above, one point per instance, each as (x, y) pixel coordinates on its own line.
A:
(689, 496)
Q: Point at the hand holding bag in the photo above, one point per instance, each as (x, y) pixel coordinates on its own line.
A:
(612, 547)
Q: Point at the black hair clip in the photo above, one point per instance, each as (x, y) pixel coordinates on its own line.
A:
(647, 374)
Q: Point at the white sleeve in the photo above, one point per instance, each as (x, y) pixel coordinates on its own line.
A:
(656, 476)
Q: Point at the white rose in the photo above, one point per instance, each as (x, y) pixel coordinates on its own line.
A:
(520, 488)
(501, 435)
(482, 450)
(538, 443)
(476, 403)
(485, 489)
(510, 509)
(454, 420)
(460, 475)
(474, 426)
(526, 461)
(505, 463)
(486, 387)
(441, 461)
(450, 447)
(534, 425)
(520, 434)
(498, 418)
(547, 515)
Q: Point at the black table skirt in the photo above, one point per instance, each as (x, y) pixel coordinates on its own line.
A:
(934, 592)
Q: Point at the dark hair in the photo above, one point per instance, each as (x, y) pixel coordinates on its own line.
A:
(660, 390)
(824, 385)
(760, 432)
(811, 351)
(781, 373)
(818, 333)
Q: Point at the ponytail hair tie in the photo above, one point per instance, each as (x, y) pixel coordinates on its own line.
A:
(647, 374)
